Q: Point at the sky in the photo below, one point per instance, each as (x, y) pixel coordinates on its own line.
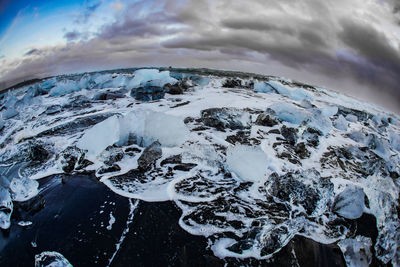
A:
(350, 46)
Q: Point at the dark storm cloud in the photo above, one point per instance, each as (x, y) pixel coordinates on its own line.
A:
(321, 41)
(72, 36)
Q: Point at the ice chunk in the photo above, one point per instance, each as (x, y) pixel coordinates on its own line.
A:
(351, 118)
(329, 111)
(1, 125)
(263, 87)
(100, 136)
(24, 223)
(51, 259)
(290, 113)
(154, 76)
(319, 121)
(149, 126)
(6, 208)
(341, 123)
(23, 188)
(294, 93)
(111, 221)
(64, 87)
(48, 84)
(357, 252)
(9, 113)
(393, 137)
(248, 163)
(350, 202)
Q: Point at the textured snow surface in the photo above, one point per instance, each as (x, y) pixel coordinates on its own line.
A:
(251, 163)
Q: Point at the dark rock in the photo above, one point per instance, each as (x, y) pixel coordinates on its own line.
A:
(148, 93)
(69, 157)
(301, 151)
(177, 88)
(149, 156)
(107, 169)
(188, 120)
(184, 167)
(53, 109)
(222, 118)
(266, 120)
(37, 153)
(180, 104)
(175, 159)
(290, 134)
(274, 131)
(108, 96)
(133, 149)
(232, 83)
(200, 128)
(112, 154)
(240, 137)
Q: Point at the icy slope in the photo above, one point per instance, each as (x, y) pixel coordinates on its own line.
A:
(251, 161)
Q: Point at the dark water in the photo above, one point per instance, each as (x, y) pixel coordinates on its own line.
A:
(66, 217)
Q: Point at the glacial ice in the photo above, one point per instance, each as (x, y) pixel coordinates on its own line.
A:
(393, 137)
(351, 118)
(263, 87)
(6, 208)
(51, 259)
(341, 123)
(357, 252)
(64, 87)
(290, 113)
(248, 163)
(350, 202)
(9, 113)
(144, 125)
(100, 136)
(23, 189)
(293, 93)
(152, 76)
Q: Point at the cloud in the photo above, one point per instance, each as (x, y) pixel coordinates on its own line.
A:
(89, 8)
(72, 36)
(350, 47)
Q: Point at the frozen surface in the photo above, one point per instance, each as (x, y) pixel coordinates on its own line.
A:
(247, 162)
(23, 188)
(51, 259)
(249, 169)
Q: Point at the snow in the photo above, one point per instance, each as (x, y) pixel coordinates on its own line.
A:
(248, 163)
(350, 202)
(51, 259)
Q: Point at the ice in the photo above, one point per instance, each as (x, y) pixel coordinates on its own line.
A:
(350, 202)
(294, 93)
(351, 118)
(24, 223)
(341, 123)
(154, 76)
(318, 120)
(48, 84)
(111, 221)
(329, 111)
(149, 126)
(23, 189)
(357, 252)
(51, 259)
(64, 87)
(6, 208)
(248, 163)
(393, 137)
(1, 125)
(263, 87)
(9, 113)
(100, 136)
(290, 113)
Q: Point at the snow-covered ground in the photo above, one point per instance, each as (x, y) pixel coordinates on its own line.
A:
(250, 162)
